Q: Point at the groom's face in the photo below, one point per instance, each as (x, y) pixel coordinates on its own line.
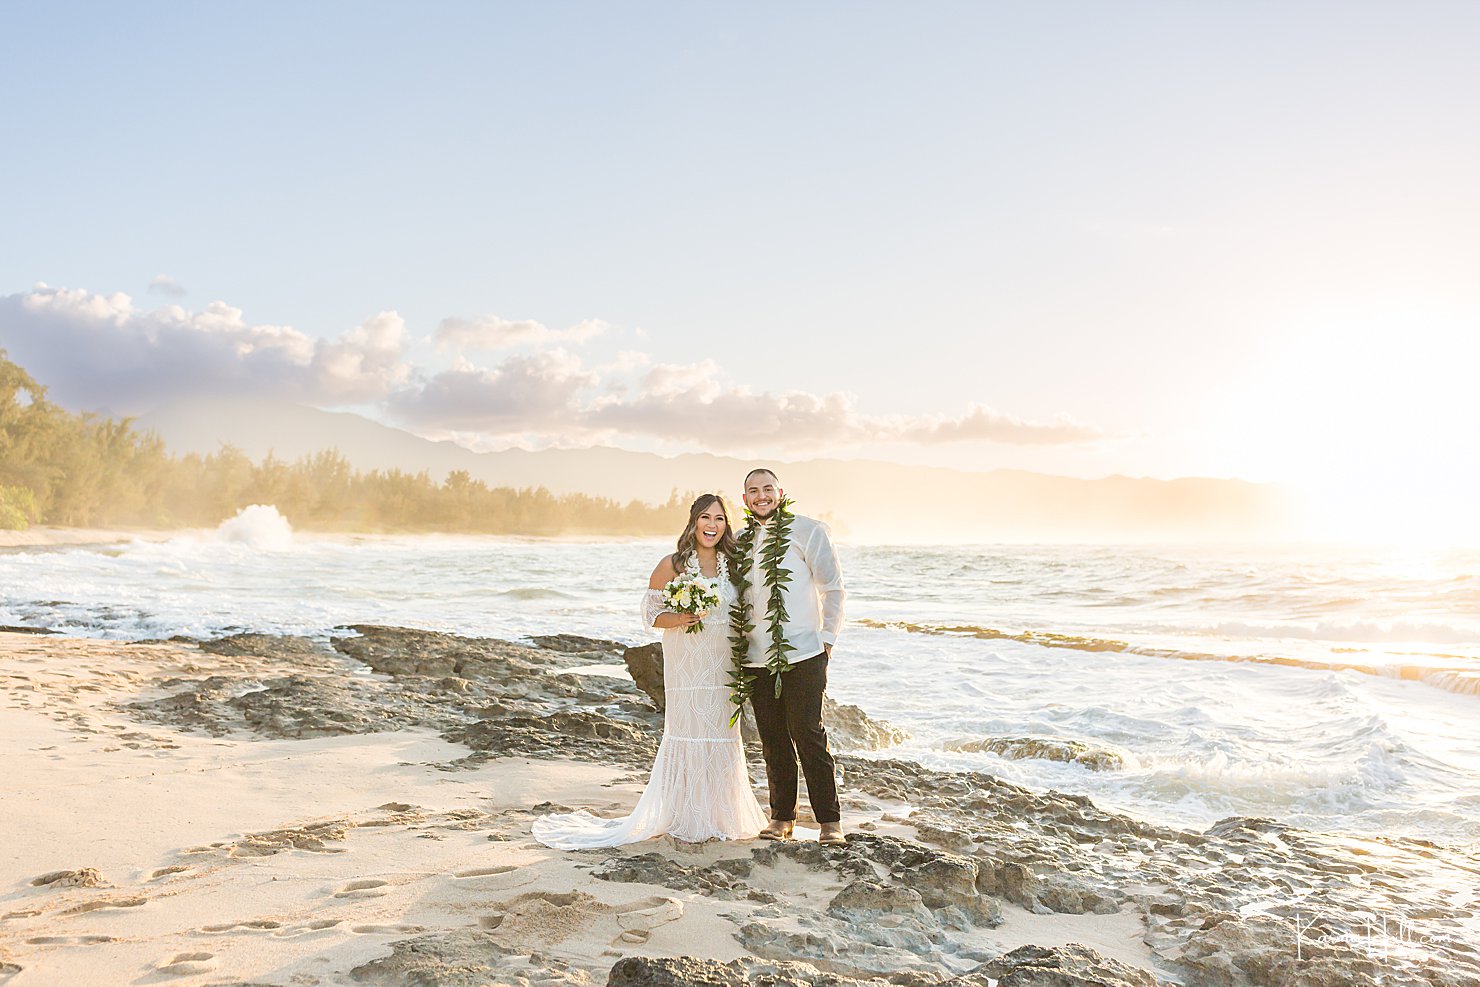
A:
(762, 495)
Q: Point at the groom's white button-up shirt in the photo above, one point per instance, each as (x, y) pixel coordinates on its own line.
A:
(814, 597)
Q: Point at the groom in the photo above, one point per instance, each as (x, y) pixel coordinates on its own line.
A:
(792, 643)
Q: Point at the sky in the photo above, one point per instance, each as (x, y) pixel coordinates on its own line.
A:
(1159, 239)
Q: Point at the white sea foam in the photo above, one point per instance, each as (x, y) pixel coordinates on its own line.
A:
(1357, 631)
(259, 526)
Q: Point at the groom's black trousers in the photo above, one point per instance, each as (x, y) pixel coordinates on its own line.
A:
(791, 729)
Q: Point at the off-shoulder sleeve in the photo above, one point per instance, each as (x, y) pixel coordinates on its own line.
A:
(652, 606)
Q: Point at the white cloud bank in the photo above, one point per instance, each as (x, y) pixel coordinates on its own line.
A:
(489, 332)
(100, 352)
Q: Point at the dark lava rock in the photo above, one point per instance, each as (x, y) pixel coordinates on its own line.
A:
(942, 879)
(578, 734)
(851, 729)
(1018, 748)
(289, 649)
(691, 971)
(1241, 952)
(645, 665)
(723, 880)
(293, 706)
(1074, 965)
(575, 644)
(461, 958)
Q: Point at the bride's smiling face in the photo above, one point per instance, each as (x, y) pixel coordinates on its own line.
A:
(709, 526)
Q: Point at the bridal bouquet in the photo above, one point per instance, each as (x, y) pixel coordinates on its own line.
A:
(690, 593)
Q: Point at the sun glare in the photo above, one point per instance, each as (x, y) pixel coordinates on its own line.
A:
(1372, 418)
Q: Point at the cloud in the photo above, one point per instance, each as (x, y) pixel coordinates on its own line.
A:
(365, 363)
(523, 394)
(99, 352)
(489, 332)
(984, 424)
(163, 284)
(690, 404)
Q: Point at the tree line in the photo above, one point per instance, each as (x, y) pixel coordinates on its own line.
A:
(61, 468)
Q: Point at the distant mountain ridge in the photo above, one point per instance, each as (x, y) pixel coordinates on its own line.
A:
(877, 500)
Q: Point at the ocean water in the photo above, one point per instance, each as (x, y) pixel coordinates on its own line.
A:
(1332, 689)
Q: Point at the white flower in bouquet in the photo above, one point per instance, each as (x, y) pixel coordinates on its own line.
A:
(691, 594)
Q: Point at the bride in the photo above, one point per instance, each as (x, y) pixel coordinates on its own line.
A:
(699, 788)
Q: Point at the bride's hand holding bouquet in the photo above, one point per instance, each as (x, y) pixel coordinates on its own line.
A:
(692, 595)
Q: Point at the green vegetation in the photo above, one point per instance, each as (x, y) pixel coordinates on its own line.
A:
(66, 469)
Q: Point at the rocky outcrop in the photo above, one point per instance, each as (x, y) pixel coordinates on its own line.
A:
(1017, 748)
(464, 958)
(724, 880)
(645, 665)
(1246, 902)
(851, 729)
(691, 971)
(291, 706)
(1074, 965)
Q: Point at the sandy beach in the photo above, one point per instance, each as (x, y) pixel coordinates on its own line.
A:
(137, 853)
(261, 810)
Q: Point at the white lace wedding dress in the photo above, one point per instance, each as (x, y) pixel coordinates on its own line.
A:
(699, 788)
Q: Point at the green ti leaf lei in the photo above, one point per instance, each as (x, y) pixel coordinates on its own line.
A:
(774, 578)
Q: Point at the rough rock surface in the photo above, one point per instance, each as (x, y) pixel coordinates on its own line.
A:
(691, 971)
(462, 958)
(645, 665)
(1245, 903)
(723, 880)
(1017, 748)
(1073, 965)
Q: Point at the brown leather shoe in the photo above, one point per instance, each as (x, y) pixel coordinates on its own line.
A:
(832, 835)
(778, 829)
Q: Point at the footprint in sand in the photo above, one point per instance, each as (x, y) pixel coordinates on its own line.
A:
(83, 877)
(387, 930)
(484, 872)
(301, 930)
(362, 889)
(261, 925)
(92, 906)
(69, 940)
(184, 964)
(548, 917)
(639, 918)
(167, 871)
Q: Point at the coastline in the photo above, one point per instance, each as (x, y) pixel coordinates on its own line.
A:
(48, 536)
(274, 811)
(43, 536)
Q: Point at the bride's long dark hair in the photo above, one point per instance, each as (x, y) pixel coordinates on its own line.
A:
(688, 542)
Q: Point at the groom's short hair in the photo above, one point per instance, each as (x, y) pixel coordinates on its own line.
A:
(761, 469)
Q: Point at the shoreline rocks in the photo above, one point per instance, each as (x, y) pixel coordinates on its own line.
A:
(1244, 903)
